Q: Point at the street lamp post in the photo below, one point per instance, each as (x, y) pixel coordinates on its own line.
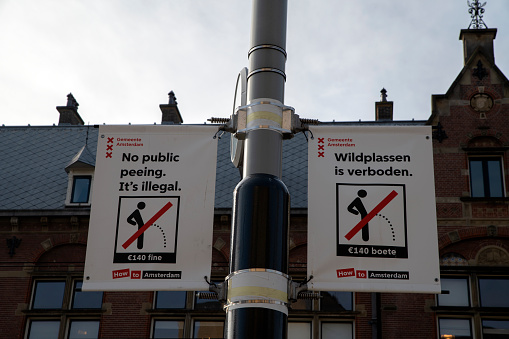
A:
(257, 286)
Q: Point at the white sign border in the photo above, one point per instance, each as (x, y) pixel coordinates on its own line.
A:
(196, 176)
(333, 273)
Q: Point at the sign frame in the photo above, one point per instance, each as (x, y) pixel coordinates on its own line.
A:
(151, 221)
(371, 188)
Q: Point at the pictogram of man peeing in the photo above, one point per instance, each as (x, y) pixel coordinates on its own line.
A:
(357, 207)
(136, 219)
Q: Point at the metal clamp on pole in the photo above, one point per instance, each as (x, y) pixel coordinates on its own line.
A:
(292, 123)
(237, 290)
(266, 114)
(257, 287)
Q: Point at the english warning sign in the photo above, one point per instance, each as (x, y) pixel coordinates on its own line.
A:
(371, 205)
(152, 208)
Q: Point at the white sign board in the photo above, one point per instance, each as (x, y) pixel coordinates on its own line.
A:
(152, 208)
(371, 209)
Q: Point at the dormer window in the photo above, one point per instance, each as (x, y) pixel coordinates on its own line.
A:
(81, 174)
(81, 189)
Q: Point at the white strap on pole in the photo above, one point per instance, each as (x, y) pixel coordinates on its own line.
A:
(265, 112)
(258, 288)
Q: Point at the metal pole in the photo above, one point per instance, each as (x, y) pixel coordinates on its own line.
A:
(257, 286)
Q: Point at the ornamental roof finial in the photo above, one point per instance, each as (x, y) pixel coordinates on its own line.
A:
(173, 98)
(476, 11)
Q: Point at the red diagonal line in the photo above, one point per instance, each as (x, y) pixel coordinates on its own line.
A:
(371, 215)
(147, 225)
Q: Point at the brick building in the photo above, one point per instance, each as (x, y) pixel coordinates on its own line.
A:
(47, 177)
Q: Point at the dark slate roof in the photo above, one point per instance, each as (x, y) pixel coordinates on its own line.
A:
(85, 156)
(295, 171)
(227, 175)
(33, 162)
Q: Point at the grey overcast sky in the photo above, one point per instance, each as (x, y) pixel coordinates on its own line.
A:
(120, 58)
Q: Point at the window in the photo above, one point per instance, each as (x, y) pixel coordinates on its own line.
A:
(336, 301)
(43, 329)
(48, 294)
(455, 328)
(171, 299)
(486, 179)
(68, 311)
(329, 316)
(458, 292)
(83, 329)
(168, 329)
(495, 329)
(86, 300)
(333, 330)
(181, 314)
(81, 189)
(494, 292)
(208, 329)
(299, 330)
(476, 303)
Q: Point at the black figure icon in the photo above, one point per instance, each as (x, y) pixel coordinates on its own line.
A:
(136, 219)
(357, 207)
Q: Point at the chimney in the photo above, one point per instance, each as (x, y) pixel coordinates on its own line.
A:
(478, 38)
(171, 113)
(384, 108)
(69, 113)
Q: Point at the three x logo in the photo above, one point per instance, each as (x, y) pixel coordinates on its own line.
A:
(109, 147)
(321, 148)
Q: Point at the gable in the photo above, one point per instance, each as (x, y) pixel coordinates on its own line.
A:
(478, 76)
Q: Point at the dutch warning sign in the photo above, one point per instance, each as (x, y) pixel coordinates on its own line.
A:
(372, 190)
(152, 208)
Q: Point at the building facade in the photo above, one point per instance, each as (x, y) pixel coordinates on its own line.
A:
(46, 182)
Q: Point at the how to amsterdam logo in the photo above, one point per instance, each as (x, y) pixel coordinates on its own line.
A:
(126, 273)
(371, 220)
(363, 274)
